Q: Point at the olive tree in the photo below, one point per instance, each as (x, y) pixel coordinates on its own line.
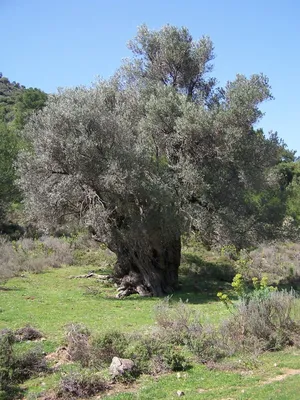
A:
(149, 154)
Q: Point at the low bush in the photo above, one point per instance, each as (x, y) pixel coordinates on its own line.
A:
(28, 364)
(262, 317)
(266, 320)
(78, 345)
(155, 354)
(7, 340)
(208, 345)
(81, 385)
(33, 255)
(27, 333)
(177, 322)
(17, 367)
(106, 346)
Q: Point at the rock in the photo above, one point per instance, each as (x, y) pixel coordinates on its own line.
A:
(119, 366)
(180, 393)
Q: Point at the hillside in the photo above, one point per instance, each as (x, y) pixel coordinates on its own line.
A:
(9, 93)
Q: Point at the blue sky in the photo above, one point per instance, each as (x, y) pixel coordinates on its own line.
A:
(58, 43)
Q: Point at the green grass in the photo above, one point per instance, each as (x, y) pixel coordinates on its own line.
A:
(202, 383)
(51, 300)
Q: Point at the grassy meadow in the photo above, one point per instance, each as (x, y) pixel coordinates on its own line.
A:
(52, 298)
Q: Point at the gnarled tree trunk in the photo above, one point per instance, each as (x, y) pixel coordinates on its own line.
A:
(153, 272)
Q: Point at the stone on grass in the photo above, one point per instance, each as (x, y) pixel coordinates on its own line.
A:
(119, 366)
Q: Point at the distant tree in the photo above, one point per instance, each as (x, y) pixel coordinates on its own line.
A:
(289, 178)
(16, 105)
(8, 153)
(29, 101)
(150, 154)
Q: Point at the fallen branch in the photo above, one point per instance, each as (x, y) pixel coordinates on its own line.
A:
(92, 275)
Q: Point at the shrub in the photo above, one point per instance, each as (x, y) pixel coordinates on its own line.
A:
(78, 343)
(27, 333)
(264, 322)
(108, 345)
(208, 345)
(6, 359)
(15, 368)
(155, 354)
(28, 364)
(178, 322)
(174, 358)
(33, 255)
(83, 384)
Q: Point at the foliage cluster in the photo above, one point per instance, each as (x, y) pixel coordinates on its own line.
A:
(16, 104)
(279, 261)
(263, 316)
(16, 366)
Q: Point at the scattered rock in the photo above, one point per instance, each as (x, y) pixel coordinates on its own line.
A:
(119, 366)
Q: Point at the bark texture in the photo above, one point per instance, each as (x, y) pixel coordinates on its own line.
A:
(154, 273)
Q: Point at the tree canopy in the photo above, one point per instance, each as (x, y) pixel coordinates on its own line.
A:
(16, 105)
(153, 152)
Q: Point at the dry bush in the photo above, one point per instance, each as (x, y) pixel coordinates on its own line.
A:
(33, 255)
(264, 323)
(178, 322)
(28, 333)
(280, 261)
(78, 343)
(81, 385)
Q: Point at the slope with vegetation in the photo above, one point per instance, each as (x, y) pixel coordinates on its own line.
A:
(16, 104)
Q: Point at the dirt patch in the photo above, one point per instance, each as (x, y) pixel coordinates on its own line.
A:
(59, 357)
(286, 373)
